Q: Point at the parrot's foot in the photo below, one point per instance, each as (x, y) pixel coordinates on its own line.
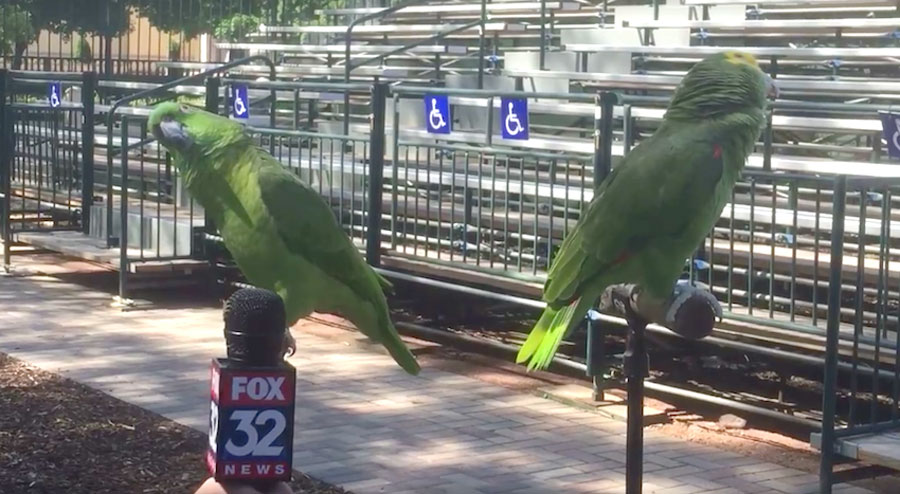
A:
(689, 311)
(290, 344)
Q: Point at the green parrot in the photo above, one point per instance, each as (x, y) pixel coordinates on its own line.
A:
(656, 206)
(283, 236)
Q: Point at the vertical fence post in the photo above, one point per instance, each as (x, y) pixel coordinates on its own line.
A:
(481, 44)
(123, 218)
(88, 91)
(543, 56)
(767, 140)
(829, 398)
(603, 136)
(376, 173)
(212, 104)
(6, 144)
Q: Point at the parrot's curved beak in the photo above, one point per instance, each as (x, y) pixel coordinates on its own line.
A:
(172, 133)
(771, 88)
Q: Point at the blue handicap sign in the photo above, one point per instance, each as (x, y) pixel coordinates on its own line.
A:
(240, 101)
(437, 114)
(890, 123)
(514, 118)
(55, 95)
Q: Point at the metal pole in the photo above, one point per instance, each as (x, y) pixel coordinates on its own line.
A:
(6, 144)
(603, 136)
(481, 44)
(543, 34)
(88, 90)
(594, 355)
(376, 174)
(767, 141)
(829, 398)
(123, 211)
(636, 368)
(213, 84)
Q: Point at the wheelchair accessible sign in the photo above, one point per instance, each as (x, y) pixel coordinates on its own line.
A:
(240, 101)
(54, 94)
(891, 127)
(514, 118)
(437, 114)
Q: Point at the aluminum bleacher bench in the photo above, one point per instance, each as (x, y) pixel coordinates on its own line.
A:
(388, 29)
(340, 48)
(462, 8)
(758, 51)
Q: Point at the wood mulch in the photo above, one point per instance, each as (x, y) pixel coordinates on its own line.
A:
(57, 435)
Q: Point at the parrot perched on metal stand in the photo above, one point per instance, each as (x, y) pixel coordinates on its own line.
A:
(283, 236)
(657, 205)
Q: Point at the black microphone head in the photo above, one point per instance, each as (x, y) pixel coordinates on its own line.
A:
(255, 326)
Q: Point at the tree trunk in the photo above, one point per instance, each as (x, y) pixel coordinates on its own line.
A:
(19, 55)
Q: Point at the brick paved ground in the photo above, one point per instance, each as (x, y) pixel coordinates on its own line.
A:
(361, 422)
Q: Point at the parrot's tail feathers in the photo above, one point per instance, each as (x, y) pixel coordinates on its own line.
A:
(401, 353)
(381, 329)
(536, 336)
(549, 332)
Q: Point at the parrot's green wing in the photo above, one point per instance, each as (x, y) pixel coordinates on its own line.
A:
(308, 227)
(656, 192)
(656, 195)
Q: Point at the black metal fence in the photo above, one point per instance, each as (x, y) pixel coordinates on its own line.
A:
(812, 257)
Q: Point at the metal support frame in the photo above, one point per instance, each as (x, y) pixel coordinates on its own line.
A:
(123, 212)
(594, 351)
(603, 136)
(543, 35)
(88, 92)
(376, 174)
(6, 149)
(636, 368)
(829, 397)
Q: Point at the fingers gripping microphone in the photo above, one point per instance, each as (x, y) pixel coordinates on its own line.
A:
(251, 422)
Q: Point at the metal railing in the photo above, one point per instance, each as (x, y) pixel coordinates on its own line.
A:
(46, 167)
(488, 206)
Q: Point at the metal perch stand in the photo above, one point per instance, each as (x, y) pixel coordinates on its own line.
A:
(691, 311)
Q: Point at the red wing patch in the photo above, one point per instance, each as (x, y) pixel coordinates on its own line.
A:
(717, 151)
(624, 256)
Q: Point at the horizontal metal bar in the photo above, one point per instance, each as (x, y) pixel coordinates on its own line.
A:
(402, 89)
(431, 333)
(867, 429)
(763, 51)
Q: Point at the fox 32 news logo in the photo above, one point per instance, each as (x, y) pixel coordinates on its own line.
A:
(251, 422)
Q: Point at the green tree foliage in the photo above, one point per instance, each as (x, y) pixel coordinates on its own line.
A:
(105, 18)
(15, 27)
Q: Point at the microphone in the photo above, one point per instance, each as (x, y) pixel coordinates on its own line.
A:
(690, 311)
(252, 394)
(254, 327)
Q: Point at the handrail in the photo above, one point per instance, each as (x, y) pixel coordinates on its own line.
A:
(110, 120)
(348, 66)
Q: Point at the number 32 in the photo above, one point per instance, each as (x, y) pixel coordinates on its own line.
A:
(254, 446)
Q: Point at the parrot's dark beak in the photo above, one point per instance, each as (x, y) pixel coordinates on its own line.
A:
(172, 133)
(771, 88)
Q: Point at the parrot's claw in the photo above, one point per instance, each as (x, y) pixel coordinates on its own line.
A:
(290, 344)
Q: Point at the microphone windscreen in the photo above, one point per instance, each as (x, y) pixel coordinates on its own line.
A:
(255, 326)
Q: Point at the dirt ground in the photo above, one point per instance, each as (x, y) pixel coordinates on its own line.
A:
(57, 435)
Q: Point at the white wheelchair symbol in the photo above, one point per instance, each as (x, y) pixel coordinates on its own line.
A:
(896, 136)
(435, 119)
(239, 107)
(54, 97)
(512, 123)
